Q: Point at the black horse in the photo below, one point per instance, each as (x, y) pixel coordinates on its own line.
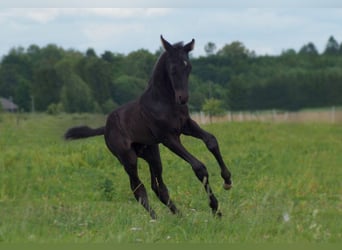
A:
(160, 115)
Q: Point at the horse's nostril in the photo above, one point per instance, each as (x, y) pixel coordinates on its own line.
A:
(181, 97)
(182, 100)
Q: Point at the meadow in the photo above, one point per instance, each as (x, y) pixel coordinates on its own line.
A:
(286, 176)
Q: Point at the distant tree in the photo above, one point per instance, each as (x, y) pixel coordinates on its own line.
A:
(16, 77)
(108, 56)
(238, 94)
(116, 61)
(288, 52)
(210, 48)
(332, 47)
(82, 81)
(127, 88)
(46, 86)
(51, 54)
(33, 49)
(76, 95)
(139, 64)
(235, 50)
(23, 95)
(54, 109)
(109, 106)
(212, 107)
(34, 52)
(98, 74)
(91, 53)
(308, 49)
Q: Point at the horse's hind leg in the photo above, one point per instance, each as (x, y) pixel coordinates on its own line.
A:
(151, 155)
(129, 161)
(122, 149)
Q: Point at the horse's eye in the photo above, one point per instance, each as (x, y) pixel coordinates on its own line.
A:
(185, 63)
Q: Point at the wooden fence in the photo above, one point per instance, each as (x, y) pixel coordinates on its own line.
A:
(332, 115)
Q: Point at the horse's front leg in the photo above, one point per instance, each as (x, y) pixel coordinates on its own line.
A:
(174, 144)
(193, 129)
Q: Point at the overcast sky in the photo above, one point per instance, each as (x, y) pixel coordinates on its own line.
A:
(122, 30)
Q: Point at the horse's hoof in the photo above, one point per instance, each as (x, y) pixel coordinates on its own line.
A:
(227, 186)
(218, 214)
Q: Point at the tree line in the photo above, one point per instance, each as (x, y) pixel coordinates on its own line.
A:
(54, 79)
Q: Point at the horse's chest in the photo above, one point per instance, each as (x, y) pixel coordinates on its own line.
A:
(166, 120)
(173, 121)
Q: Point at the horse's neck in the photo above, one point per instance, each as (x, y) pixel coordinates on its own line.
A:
(157, 95)
(159, 90)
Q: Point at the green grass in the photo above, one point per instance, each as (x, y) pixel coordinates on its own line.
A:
(287, 186)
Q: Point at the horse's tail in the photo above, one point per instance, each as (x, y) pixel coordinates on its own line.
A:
(83, 132)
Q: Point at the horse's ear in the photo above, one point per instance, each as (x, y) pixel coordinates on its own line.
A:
(167, 46)
(190, 46)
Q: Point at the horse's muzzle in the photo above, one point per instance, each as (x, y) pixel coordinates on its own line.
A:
(181, 98)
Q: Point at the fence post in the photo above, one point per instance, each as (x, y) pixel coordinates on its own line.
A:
(240, 116)
(229, 115)
(332, 114)
(274, 115)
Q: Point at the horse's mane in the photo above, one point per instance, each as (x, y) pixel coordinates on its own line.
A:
(178, 45)
(162, 56)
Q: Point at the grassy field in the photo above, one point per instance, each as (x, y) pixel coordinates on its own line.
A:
(287, 186)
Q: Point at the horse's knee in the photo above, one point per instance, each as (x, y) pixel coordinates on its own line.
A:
(211, 142)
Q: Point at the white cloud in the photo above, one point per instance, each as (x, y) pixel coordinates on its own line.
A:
(106, 32)
(118, 23)
(124, 29)
(127, 12)
(42, 15)
(171, 3)
(45, 15)
(38, 15)
(269, 31)
(258, 19)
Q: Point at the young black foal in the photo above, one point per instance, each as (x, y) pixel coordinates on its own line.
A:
(160, 115)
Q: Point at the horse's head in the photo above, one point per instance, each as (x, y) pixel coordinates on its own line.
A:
(178, 68)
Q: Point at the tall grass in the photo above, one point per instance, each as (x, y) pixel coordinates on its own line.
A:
(287, 186)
